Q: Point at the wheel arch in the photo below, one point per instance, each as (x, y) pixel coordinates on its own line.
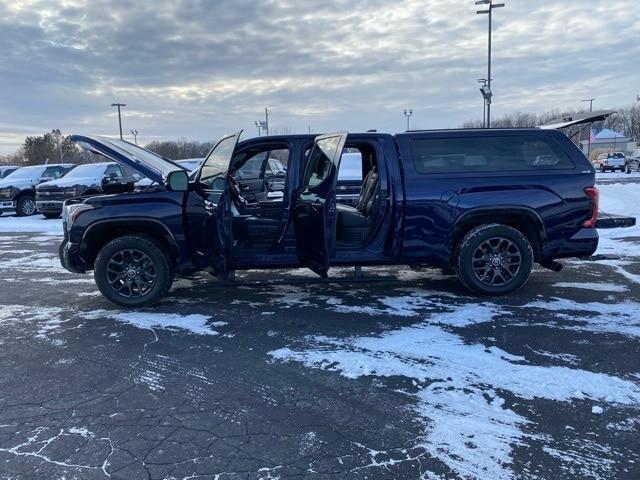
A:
(99, 233)
(524, 219)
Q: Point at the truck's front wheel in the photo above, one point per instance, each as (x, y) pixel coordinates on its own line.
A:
(133, 271)
(494, 260)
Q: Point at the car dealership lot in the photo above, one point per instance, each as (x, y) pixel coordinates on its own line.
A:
(401, 374)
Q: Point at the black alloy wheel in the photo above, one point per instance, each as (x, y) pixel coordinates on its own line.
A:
(497, 261)
(133, 271)
(493, 259)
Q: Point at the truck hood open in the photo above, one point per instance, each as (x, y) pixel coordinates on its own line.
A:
(127, 154)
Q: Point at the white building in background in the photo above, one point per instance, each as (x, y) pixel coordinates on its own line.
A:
(610, 141)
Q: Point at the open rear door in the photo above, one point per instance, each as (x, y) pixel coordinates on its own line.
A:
(314, 209)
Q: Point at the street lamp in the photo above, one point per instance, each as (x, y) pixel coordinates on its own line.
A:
(408, 114)
(590, 100)
(489, 11)
(119, 116)
(259, 125)
(483, 89)
(135, 136)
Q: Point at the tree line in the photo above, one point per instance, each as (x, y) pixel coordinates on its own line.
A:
(626, 121)
(54, 147)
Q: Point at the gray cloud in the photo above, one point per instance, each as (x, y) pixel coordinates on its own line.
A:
(194, 68)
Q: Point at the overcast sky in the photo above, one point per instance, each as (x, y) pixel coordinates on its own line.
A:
(197, 69)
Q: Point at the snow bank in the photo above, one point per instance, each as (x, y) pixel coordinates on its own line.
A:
(33, 224)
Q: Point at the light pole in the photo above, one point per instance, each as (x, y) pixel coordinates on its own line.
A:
(259, 125)
(483, 83)
(408, 114)
(590, 100)
(119, 116)
(266, 120)
(488, 94)
(135, 136)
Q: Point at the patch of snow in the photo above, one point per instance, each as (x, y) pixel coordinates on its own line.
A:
(194, 323)
(619, 199)
(33, 224)
(467, 424)
(621, 317)
(598, 287)
(596, 410)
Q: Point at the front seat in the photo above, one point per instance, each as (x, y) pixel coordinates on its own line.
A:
(354, 222)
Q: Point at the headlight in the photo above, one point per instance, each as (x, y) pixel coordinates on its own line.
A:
(6, 192)
(71, 212)
(71, 192)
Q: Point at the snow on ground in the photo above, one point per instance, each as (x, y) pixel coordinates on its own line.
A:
(467, 423)
(33, 224)
(193, 323)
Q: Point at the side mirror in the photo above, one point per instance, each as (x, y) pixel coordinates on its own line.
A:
(178, 181)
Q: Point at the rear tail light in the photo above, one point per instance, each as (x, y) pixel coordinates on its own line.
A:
(594, 197)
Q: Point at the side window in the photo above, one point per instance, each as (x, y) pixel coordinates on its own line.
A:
(488, 154)
(278, 163)
(251, 169)
(350, 166)
(53, 172)
(320, 161)
(113, 171)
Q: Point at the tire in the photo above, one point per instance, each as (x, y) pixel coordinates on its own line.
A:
(50, 215)
(628, 170)
(602, 170)
(483, 255)
(26, 206)
(133, 271)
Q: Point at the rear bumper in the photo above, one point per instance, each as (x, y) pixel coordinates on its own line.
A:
(7, 206)
(607, 220)
(70, 257)
(49, 206)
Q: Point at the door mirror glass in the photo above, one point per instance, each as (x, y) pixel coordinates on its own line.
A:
(178, 181)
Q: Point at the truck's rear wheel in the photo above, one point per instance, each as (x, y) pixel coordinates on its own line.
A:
(133, 271)
(494, 260)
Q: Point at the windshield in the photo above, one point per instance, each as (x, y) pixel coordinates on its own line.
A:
(616, 155)
(91, 170)
(27, 173)
(217, 162)
(190, 165)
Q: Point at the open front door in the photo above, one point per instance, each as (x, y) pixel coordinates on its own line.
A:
(215, 188)
(314, 209)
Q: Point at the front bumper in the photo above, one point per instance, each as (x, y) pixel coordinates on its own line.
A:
(70, 257)
(7, 206)
(49, 206)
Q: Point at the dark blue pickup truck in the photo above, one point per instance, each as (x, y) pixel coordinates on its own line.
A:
(486, 204)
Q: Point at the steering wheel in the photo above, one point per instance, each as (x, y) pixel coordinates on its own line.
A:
(236, 194)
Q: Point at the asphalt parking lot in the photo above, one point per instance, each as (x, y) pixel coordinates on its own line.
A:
(400, 374)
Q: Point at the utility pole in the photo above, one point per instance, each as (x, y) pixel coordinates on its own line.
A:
(590, 100)
(135, 136)
(119, 115)
(266, 119)
(488, 93)
(408, 114)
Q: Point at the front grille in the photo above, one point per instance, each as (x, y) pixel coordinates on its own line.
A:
(54, 194)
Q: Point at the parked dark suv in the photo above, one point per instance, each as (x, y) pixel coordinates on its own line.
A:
(18, 189)
(82, 181)
(485, 203)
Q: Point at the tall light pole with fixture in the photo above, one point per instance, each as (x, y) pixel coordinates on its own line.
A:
(119, 115)
(408, 114)
(135, 136)
(483, 86)
(487, 93)
(590, 101)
